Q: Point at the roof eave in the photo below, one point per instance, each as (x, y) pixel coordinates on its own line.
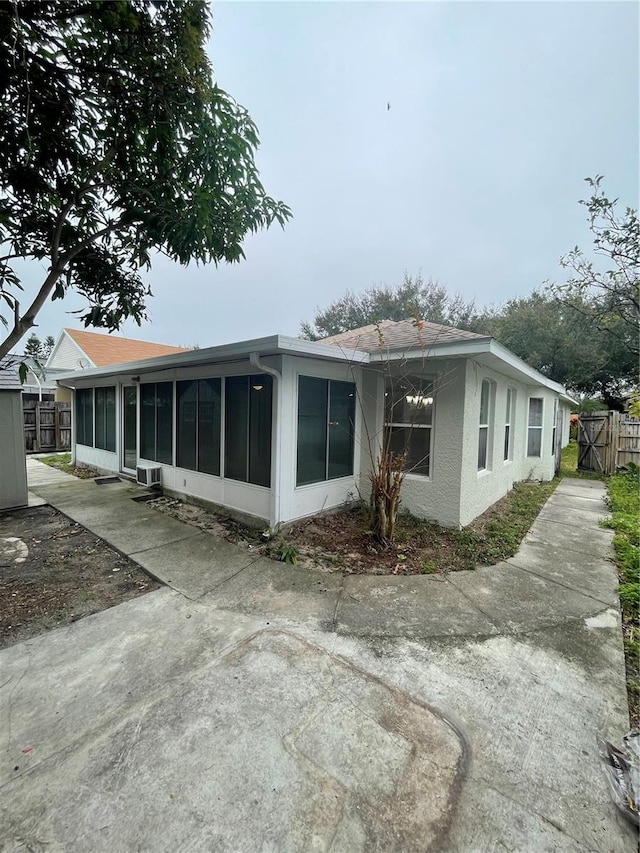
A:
(272, 345)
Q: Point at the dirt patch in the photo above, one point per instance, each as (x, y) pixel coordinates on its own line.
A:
(54, 572)
(343, 542)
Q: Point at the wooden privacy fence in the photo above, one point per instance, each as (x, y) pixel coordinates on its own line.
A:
(47, 426)
(607, 441)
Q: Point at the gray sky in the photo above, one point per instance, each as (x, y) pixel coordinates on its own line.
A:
(498, 112)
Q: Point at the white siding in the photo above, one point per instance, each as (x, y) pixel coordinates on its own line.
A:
(68, 355)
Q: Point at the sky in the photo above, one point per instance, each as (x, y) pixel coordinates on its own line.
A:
(498, 111)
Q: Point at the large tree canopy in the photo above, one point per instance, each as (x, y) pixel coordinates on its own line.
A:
(115, 141)
(414, 297)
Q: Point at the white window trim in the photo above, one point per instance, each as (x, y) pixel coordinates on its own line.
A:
(509, 422)
(530, 427)
(488, 426)
(402, 425)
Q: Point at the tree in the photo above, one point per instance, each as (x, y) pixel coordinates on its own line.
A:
(37, 350)
(414, 297)
(607, 294)
(115, 142)
(560, 340)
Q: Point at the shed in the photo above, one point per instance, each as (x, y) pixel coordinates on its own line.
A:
(13, 465)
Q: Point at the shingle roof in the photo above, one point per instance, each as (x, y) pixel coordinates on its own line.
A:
(9, 373)
(392, 336)
(111, 349)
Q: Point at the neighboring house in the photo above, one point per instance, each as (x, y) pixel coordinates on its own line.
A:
(13, 466)
(280, 428)
(77, 349)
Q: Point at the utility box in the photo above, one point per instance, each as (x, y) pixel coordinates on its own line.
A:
(13, 463)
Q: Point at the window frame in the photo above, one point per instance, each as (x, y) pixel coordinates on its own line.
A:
(248, 421)
(424, 384)
(156, 409)
(486, 425)
(179, 431)
(531, 427)
(103, 389)
(509, 419)
(80, 393)
(328, 423)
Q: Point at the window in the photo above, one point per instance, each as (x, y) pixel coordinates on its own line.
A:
(409, 421)
(534, 432)
(198, 425)
(483, 430)
(326, 415)
(508, 423)
(105, 410)
(156, 422)
(555, 425)
(248, 428)
(84, 416)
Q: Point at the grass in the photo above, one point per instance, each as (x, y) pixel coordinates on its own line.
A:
(62, 461)
(624, 502)
(569, 464)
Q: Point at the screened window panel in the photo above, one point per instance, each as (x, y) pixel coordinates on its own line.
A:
(483, 435)
(236, 427)
(342, 407)
(105, 413)
(84, 416)
(187, 416)
(535, 412)
(507, 442)
(209, 419)
(260, 429)
(312, 430)
(534, 442)
(484, 402)
(164, 422)
(409, 401)
(148, 421)
(417, 443)
(100, 412)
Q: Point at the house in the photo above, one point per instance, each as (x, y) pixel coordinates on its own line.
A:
(13, 466)
(278, 428)
(77, 349)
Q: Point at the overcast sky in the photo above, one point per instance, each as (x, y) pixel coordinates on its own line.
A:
(497, 113)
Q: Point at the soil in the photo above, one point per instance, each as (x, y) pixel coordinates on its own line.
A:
(54, 572)
(342, 542)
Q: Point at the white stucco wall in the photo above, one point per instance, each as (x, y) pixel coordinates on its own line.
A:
(480, 489)
(13, 466)
(437, 497)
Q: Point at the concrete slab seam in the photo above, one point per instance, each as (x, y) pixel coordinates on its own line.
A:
(557, 582)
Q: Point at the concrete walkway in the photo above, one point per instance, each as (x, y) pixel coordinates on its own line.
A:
(252, 705)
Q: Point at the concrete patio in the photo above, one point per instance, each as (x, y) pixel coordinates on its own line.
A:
(252, 705)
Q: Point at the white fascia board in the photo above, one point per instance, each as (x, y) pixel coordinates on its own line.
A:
(469, 348)
(272, 345)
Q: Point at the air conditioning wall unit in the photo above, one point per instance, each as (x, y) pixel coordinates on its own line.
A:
(148, 474)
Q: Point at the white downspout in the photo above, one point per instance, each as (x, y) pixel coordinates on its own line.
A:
(254, 360)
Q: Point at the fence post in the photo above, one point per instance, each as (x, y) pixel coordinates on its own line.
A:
(614, 440)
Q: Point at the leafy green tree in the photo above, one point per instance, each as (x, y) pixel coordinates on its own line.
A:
(561, 341)
(414, 297)
(606, 290)
(115, 141)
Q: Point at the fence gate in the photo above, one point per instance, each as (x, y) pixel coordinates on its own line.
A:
(47, 426)
(606, 441)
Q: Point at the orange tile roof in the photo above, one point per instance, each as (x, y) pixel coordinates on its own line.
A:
(112, 349)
